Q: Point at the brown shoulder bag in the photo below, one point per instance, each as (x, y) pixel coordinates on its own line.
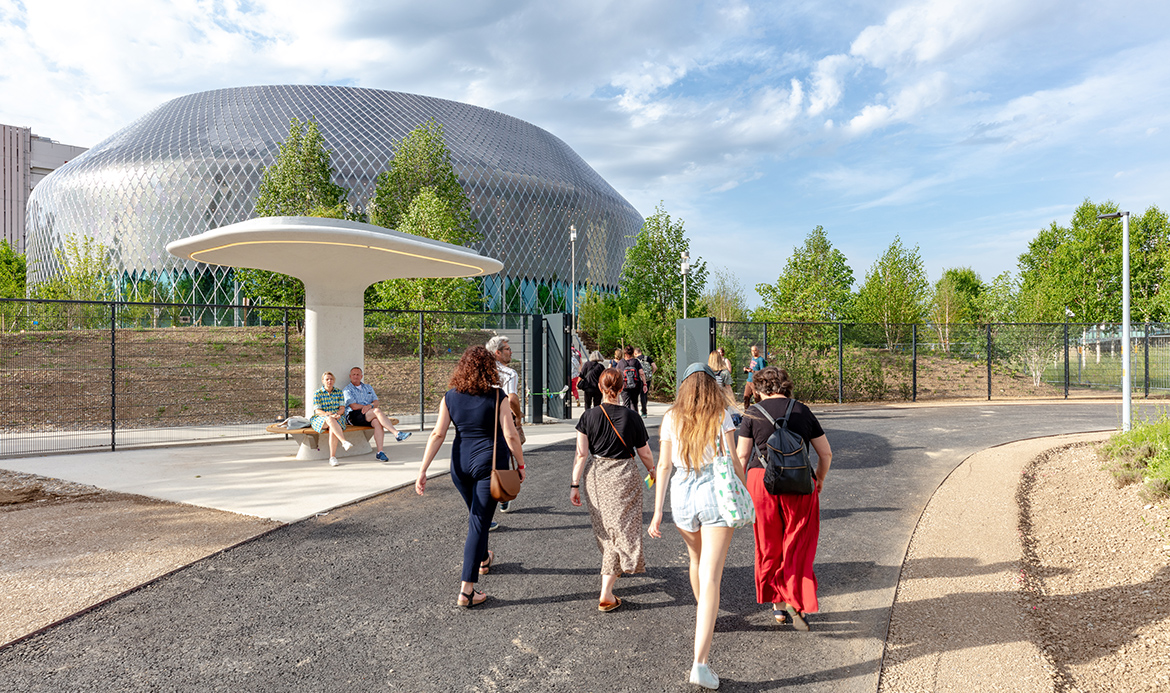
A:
(505, 482)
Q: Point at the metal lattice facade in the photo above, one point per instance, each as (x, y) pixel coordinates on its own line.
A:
(196, 162)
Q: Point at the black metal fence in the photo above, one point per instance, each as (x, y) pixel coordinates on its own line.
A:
(109, 375)
(842, 362)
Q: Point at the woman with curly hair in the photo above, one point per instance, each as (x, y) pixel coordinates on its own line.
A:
(692, 429)
(479, 409)
(787, 525)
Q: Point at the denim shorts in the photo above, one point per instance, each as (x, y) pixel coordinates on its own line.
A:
(692, 499)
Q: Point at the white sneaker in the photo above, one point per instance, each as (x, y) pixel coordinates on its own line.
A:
(333, 462)
(702, 675)
(346, 445)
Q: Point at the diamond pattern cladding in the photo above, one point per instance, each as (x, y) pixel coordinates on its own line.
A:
(195, 163)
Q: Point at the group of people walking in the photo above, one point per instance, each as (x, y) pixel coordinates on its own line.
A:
(612, 452)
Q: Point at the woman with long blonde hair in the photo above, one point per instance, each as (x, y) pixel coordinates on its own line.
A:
(692, 430)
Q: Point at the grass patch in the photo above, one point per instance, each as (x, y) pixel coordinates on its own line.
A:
(1142, 455)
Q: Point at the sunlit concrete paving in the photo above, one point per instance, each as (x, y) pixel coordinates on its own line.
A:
(262, 478)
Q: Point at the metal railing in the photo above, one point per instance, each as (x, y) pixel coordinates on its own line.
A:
(846, 362)
(82, 375)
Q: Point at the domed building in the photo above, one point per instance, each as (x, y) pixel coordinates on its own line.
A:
(195, 163)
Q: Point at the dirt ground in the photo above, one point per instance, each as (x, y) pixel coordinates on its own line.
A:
(65, 547)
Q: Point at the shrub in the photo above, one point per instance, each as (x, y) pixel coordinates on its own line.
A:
(1142, 454)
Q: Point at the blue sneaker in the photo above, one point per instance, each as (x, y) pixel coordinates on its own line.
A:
(505, 506)
(403, 435)
(382, 456)
(493, 526)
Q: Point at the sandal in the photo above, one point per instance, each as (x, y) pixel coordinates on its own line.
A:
(486, 565)
(610, 606)
(470, 599)
(780, 615)
(798, 619)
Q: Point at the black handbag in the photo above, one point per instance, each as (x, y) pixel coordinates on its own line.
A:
(787, 464)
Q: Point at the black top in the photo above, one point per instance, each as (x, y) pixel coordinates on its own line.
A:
(756, 426)
(475, 422)
(630, 363)
(590, 373)
(603, 442)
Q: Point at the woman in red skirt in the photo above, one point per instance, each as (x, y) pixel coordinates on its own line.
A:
(787, 526)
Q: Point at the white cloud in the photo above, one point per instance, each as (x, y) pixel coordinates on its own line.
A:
(936, 30)
(908, 103)
(826, 83)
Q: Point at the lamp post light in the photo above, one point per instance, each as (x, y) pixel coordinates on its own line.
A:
(573, 281)
(686, 259)
(1126, 394)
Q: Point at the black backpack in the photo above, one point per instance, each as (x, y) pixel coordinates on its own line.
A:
(787, 465)
(631, 374)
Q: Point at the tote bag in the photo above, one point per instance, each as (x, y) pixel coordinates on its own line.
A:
(735, 504)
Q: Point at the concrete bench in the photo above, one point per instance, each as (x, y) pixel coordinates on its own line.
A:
(309, 441)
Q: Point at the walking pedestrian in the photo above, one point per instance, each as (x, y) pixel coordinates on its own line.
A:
(483, 430)
(787, 526)
(649, 368)
(631, 370)
(690, 428)
(590, 375)
(608, 438)
(754, 365)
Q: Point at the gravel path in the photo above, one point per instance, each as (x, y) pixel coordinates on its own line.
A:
(1030, 571)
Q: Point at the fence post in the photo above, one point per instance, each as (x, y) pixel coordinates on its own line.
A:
(421, 375)
(286, 380)
(113, 378)
(840, 363)
(1146, 349)
(524, 358)
(914, 362)
(1066, 359)
(988, 362)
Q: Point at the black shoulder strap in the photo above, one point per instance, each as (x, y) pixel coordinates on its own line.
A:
(788, 412)
(783, 422)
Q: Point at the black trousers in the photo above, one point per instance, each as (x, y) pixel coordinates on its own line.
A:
(592, 398)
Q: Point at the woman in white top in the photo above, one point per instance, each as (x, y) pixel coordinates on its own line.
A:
(688, 434)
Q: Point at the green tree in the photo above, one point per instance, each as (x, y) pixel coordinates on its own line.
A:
(420, 194)
(815, 285)
(1078, 267)
(430, 217)
(301, 179)
(298, 183)
(84, 273)
(421, 161)
(651, 273)
(955, 300)
(725, 298)
(894, 294)
(13, 267)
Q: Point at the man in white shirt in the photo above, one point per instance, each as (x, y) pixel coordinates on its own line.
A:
(499, 347)
(362, 408)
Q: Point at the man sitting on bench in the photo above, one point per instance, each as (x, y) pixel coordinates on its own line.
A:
(363, 408)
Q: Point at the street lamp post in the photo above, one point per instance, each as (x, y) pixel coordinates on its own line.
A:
(686, 258)
(573, 288)
(1126, 394)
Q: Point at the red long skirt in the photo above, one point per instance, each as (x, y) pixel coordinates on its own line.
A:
(787, 529)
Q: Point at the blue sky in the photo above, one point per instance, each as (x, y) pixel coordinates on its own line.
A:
(964, 126)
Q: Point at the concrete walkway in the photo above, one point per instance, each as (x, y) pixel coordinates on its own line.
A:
(263, 478)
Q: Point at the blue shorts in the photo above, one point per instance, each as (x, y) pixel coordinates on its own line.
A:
(692, 500)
